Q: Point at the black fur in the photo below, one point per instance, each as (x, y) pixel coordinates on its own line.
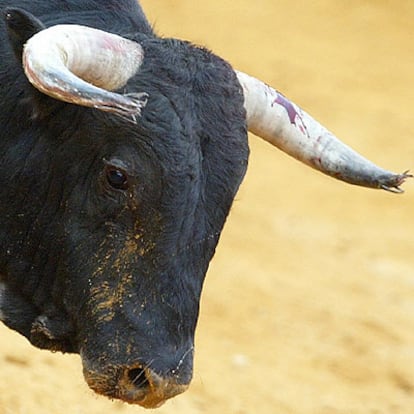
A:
(114, 274)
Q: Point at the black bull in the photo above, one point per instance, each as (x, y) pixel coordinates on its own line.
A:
(107, 222)
(107, 227)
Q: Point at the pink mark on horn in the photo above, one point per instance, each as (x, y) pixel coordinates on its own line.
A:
(295, 117)
(290, 109)
(113, 44)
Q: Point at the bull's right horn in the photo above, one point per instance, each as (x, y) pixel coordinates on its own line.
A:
(274, 118)
(82, 65)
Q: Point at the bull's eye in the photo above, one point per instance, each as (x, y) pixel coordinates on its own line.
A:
(117, 178)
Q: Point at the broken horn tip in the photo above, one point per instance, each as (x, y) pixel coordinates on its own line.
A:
(398, 180)
(395, 189)
(404, 176)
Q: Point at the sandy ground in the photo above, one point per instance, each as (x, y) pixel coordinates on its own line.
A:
(308, 306)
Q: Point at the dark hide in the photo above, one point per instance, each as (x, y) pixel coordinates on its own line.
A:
(114, 273)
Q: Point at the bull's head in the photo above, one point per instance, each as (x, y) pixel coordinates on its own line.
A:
(120, 213)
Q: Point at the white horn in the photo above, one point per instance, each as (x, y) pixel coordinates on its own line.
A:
(82, 65)
(279, 121)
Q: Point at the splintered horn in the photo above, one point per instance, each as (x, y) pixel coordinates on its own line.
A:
(82, 65)
(271, 116)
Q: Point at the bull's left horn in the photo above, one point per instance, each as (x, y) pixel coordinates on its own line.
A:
(274, 118)
(82, 65)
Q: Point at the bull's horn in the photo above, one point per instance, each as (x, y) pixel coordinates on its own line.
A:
(82, 65)
(274, 118)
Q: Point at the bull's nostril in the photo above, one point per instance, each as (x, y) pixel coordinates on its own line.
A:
(135, 384)
(138, 378)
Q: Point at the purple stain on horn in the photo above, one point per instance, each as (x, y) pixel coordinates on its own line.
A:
(294, 116)
(290, 109)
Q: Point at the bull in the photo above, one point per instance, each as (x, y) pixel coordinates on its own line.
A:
(120, 155)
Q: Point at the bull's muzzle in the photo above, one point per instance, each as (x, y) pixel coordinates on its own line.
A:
(136, 385)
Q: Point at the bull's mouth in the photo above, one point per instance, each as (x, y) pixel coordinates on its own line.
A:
(137, 385)
(55, 334)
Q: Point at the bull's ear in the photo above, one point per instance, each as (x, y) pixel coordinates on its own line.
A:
(21, 26)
